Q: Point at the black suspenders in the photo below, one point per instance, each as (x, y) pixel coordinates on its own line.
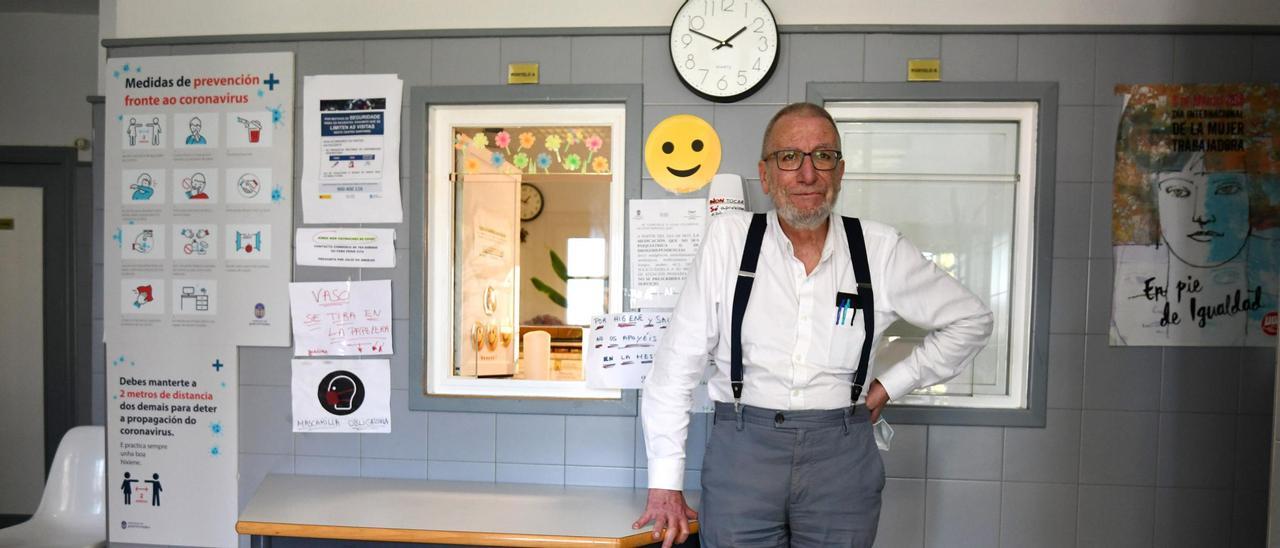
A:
(747, 276)
(741, 293)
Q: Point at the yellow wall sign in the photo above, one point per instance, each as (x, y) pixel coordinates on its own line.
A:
(924, 70)
(522, 73)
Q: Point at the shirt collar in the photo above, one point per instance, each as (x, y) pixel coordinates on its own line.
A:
(783, 242)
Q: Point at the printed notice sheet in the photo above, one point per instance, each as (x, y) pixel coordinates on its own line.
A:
(1195, 226)
(198, 211)
(665, 236)
(341, 318)
(351, 159)
(172, 418)
(342, 396)
(621, 348)
(347, 247)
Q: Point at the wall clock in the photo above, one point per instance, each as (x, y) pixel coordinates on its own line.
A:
(530, 202)
(724, 50)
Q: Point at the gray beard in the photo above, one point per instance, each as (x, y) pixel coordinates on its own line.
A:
(804, 220)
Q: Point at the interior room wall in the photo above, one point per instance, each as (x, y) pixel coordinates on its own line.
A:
(49, 66)
(567, 213)
(1143, 446)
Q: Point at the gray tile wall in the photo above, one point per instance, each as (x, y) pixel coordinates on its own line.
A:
(1142, 447)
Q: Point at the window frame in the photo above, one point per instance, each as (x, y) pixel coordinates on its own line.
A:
(422, 203)
(1039, 220)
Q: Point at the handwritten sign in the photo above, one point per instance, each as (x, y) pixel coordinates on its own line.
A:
(341, 318)
(621, 348)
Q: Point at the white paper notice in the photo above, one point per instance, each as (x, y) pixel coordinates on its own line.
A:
(351, 159)
(341, 318)
(347, 247)
(621, 348)
(198, 211)
(172, 443)
(342, 396)
(665, 236)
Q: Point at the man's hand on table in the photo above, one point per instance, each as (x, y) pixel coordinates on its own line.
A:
(670, 516)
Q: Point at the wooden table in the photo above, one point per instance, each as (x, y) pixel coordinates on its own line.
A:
(445, 512)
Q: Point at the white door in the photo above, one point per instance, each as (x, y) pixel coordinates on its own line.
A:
(22, 341)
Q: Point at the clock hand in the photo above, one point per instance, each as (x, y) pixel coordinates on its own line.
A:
(729, 39)
(712, 38)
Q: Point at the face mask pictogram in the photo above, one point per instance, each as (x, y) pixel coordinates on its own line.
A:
(340, 393)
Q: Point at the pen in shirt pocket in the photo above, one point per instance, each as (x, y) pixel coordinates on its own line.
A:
(846, 308)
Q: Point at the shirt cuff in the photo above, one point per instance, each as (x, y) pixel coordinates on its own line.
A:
(666, 473)
(897, 382)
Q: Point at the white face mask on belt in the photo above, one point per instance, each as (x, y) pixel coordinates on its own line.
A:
(883, 433)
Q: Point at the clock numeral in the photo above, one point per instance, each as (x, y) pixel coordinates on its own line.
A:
(709, 7)
(705, 72)
(686, 40)
(722, 84)
(697, 22)
(764, 44)
(759, 25)
(756, 66)
(742, 77)
(689, 62)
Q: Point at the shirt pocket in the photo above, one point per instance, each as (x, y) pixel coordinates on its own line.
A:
(847, 323)
(846, 344)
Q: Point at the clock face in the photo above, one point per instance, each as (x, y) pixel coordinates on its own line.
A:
(724, 50)
(530, 202)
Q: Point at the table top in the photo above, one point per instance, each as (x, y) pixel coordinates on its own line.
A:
(446, 512)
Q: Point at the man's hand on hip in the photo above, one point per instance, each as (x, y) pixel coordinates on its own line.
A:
(670, 516)
(877, 397)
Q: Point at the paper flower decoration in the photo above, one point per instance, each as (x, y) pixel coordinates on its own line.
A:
(503, 139)
(526, 140)
(593, 143)
(480, 140)
(497, 159)
(544, 161)
(470, 166)
(600, 164)
(521, 160)
(569, 138)
(573, 162)
(553, 143)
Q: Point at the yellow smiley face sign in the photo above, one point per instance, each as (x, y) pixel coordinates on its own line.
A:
(682, 153)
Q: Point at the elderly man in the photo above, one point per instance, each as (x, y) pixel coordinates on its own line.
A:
(783, 304)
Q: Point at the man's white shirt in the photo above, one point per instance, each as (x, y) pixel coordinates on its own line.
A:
(795, 356)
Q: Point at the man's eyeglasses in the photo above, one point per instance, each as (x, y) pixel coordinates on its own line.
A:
(790, 160)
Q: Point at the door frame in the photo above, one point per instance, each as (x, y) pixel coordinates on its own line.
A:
(63, 334)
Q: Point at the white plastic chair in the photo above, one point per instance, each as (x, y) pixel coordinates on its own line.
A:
(72, 511)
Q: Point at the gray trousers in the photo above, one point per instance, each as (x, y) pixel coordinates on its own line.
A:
(790, 478)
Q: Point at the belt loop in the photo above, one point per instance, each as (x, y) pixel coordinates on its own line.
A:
(845, 423)
(737, 410)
